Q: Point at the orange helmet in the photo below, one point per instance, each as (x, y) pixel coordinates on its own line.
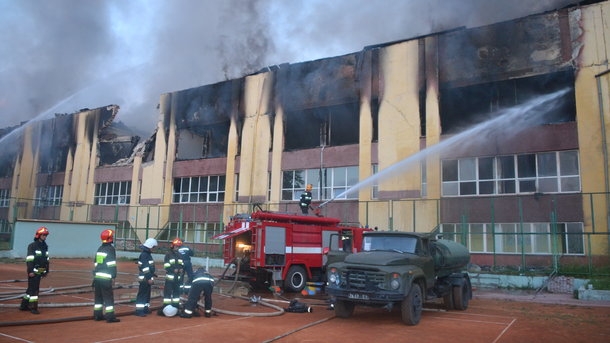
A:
(107, 236)
(177, 242)
(42, 231)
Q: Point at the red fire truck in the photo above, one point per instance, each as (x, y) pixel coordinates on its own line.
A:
(285, 249)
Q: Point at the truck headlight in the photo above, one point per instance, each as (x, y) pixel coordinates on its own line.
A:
(395, 281)
(333, 276)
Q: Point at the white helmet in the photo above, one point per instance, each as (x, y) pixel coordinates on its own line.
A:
(150, 243)
(170, 311)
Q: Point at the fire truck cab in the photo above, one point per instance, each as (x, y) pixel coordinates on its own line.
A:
(284, 249)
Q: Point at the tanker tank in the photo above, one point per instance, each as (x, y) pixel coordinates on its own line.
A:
(449, 257)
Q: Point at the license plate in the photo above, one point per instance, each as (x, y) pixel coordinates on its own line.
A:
(358, 296)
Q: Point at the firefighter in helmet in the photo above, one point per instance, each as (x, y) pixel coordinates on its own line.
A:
(186, 253)
(203, 282)
(104, 273)
(146, 275)
(305, 202)
(37, 265)
(173, 265)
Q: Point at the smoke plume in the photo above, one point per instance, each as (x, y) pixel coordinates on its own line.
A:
(59, 56)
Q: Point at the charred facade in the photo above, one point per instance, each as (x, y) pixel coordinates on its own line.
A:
(340, 121)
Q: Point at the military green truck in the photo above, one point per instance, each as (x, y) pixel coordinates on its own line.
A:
(401, 268)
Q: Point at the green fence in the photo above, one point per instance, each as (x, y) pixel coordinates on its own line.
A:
(522, 234)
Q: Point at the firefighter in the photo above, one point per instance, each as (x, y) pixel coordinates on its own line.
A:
(202, 282)
(104, 273)
(173, 265)
(37, 262)
(186, 253)
(146, 275)
(305, 202)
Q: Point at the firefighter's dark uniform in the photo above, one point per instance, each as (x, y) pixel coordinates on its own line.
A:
(186, 253)
(305, 201)
(37, 261)
(146, 267)
(173, 266)
(105, 270)
(202, 282)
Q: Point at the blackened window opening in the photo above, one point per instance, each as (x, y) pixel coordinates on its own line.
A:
(466, 106)
(324, 126)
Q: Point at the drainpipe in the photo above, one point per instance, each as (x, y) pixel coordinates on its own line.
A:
(600, 100)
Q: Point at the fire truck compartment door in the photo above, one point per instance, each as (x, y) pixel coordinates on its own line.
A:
(275, 245)
(245, 226)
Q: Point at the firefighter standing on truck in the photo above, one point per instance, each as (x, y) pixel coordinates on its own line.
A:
(104, 273)
(173, 265)
(305, 202)
(37, 262)
(202, 282)
(146, 267)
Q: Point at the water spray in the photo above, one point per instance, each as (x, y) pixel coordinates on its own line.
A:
(517, 118)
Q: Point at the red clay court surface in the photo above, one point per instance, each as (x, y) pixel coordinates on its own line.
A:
(492, 317)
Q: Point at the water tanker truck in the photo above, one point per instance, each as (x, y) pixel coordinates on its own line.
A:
(401, 268)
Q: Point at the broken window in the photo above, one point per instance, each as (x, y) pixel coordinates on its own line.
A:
(325, 126)
(462, 107)
(321, 102)
(56, 137)
(203, 120)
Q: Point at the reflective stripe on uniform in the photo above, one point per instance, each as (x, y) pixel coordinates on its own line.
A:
(102, 275)
(204, 278)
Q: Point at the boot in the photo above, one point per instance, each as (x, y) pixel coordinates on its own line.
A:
(25, 305)
(208, 313)
(111, 318)
(98, 316)
(34, 308)
(141, 313)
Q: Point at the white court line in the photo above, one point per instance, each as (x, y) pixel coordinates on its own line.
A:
(474, 321)
(16, 338)
(504, 331)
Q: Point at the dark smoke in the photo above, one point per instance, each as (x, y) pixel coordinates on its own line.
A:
(99, 52)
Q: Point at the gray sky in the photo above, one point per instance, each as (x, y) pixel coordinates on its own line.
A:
(58, 56)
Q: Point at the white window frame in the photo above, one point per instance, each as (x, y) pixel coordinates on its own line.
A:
(334, 182)
(560, 176)
(112, 193)
(47, 196)
(199, 189)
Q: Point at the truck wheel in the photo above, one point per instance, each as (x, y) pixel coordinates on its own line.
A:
(412, 305)
(296, 279)
(461, 297)
(344, 309)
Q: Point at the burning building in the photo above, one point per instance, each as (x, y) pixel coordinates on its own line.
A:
(538, 188)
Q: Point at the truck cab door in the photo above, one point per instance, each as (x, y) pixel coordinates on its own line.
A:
(423, 250)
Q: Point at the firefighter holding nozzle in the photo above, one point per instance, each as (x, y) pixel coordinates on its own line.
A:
(203, 282)
(305, 202)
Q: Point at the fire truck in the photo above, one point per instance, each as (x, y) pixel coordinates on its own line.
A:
(285, 249)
